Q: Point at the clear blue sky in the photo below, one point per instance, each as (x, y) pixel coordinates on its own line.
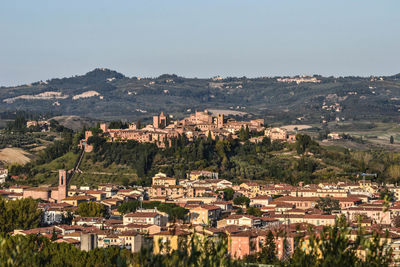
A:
(45, 39)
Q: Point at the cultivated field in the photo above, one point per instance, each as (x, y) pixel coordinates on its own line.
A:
(298, 127)
(14, 155)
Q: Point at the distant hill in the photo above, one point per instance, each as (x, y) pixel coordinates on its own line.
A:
(108, 95)
(75, 122)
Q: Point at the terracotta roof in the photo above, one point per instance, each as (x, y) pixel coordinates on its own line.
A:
(209, 207)
(262, 197)
(90, 192)
(67, 240)
(113, 221)
(347, 199)
(365, 208)
(68, 227)
(124, 190)
(222, 202)
(282, 204)
(248, 233)
(290, 198)
(38, 189)
(40, 230)
(129, 233)
(3, 192)
(134, 225)
(79, 198)
(319, 216)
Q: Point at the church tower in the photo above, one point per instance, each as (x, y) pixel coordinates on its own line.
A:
(62, 185)
(220, 121)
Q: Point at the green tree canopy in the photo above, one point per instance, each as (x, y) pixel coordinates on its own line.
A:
(174, 211)
(19, 214)
(242, 201)
(327, 205)
(386, 194)
(228, 194)
(268, 251)
(332, 247)
(254, 211)
(91, 209)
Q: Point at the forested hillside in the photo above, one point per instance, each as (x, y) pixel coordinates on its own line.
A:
(106, 94)
(130, 163)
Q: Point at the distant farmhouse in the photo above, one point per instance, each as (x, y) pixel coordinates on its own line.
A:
(44, 126)
(280, 134)
(3, 175)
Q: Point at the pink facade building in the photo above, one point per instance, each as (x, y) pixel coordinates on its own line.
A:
(251, 242)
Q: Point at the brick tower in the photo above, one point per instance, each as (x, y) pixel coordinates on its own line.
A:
(220, 121)
(62, 185)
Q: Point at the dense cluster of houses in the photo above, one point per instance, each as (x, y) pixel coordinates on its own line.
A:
(282, 208)
(200, 124)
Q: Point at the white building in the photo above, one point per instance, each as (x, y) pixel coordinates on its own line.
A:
(3, 175)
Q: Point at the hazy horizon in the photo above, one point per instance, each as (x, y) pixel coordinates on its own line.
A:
(45, 40)
(194, 77)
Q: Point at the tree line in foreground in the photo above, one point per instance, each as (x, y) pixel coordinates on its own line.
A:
(330, 247)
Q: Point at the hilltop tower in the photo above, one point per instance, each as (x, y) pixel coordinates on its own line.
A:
(160, 121)
(156, 123)
(132, 126)
(104, 127)
(163, 120)
(62, 185)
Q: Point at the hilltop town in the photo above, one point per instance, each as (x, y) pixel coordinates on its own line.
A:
(198, 125)
(199, 134)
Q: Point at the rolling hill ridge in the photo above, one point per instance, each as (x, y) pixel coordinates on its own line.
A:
(108, 95)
